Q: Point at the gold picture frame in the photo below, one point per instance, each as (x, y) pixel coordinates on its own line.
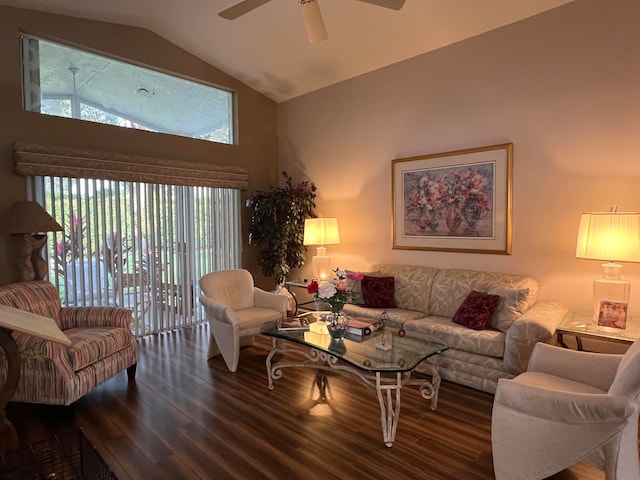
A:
(458, 201)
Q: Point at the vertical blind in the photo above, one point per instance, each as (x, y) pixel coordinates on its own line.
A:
(139, 245)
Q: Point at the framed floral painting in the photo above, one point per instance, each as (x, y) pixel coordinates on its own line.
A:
(456, 201)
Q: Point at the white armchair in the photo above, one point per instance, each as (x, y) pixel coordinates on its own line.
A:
(236, 310)
(569, 406)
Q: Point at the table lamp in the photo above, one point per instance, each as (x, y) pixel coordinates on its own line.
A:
(25, 221)
(612, 237)
(321, 231)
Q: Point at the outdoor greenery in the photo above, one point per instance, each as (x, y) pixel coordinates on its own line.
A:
(277, 226)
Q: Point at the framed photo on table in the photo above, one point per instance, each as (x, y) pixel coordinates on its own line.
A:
(458, 201)
(612, 314)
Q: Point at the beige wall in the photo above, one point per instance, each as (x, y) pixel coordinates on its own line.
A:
(563, 86)
(257, 115)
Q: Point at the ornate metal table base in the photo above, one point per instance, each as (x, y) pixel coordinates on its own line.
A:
(387, 387)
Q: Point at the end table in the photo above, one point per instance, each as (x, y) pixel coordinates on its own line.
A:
(583, 325)
(299, 305)
(13, 319)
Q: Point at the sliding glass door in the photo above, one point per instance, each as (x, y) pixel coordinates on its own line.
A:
(141, 246)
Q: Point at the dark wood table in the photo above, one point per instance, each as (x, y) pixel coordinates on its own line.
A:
(12, 319)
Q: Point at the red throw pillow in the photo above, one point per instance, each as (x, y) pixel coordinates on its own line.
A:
(476, 310)
(377, 292)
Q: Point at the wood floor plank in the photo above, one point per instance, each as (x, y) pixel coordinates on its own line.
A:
(186, 417)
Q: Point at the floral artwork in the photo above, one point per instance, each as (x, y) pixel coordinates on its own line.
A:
(449, 201)
(458, 201)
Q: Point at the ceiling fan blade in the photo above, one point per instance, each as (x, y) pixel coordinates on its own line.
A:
(392, 4)
(316, 31)
(241, 8)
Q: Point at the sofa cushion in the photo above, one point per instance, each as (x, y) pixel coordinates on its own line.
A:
(412, 284)
(476, 310)
(513, 303)
(451, 287)
(442, 330)
(355, 286)
(378, 292)
(89, 345)
(397, 316)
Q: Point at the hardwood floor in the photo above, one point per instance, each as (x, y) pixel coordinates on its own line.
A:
(188, 418)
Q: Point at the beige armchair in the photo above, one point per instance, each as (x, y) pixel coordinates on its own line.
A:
(236, 310)
(569, 406)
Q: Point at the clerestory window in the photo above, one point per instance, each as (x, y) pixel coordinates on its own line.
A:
(67, 82)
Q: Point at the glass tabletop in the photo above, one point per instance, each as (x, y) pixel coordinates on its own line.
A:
(363, 352)
(582, 323)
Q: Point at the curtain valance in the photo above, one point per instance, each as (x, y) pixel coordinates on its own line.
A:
(32, 159)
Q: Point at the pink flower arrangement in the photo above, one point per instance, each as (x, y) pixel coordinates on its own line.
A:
(336, 291)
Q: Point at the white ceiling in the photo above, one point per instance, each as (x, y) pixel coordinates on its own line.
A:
(268, 49)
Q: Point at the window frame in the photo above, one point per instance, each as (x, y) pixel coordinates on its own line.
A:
(28, 91)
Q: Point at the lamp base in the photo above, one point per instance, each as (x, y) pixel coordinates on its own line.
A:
(29, 262)
(321, 267)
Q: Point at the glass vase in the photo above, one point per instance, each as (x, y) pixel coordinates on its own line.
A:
(337, 325)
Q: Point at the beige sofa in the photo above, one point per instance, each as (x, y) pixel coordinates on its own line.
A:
(427, 298)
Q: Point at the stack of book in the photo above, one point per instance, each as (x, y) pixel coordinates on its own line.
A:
(363, 326)
(300, 323)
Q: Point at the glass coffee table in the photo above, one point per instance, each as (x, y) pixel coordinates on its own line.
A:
(364, 360)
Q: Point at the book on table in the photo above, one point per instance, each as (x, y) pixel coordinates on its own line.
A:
(363, 326)
(300, 322)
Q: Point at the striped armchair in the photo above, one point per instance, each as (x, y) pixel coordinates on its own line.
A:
(102, 345)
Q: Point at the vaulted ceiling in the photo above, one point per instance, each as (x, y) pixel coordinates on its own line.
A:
(268, 49)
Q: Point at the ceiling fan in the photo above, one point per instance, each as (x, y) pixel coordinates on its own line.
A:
(313, 22)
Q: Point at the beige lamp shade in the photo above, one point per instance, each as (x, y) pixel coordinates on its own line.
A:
(27, 217)
(613, 237)
(321, 231)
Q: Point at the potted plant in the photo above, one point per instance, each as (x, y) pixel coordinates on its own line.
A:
(277, 226)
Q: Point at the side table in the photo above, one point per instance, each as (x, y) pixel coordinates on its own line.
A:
(582, 325)
(299, 305)
(12, 319)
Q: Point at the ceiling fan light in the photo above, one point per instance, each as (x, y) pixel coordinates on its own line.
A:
(316, 31)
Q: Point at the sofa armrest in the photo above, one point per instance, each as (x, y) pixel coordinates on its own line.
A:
(217, 311)
(96, 317)
(35, 352)
(538, 324)
(274, 301)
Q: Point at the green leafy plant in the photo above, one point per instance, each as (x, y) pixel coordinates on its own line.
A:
(277, 226)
